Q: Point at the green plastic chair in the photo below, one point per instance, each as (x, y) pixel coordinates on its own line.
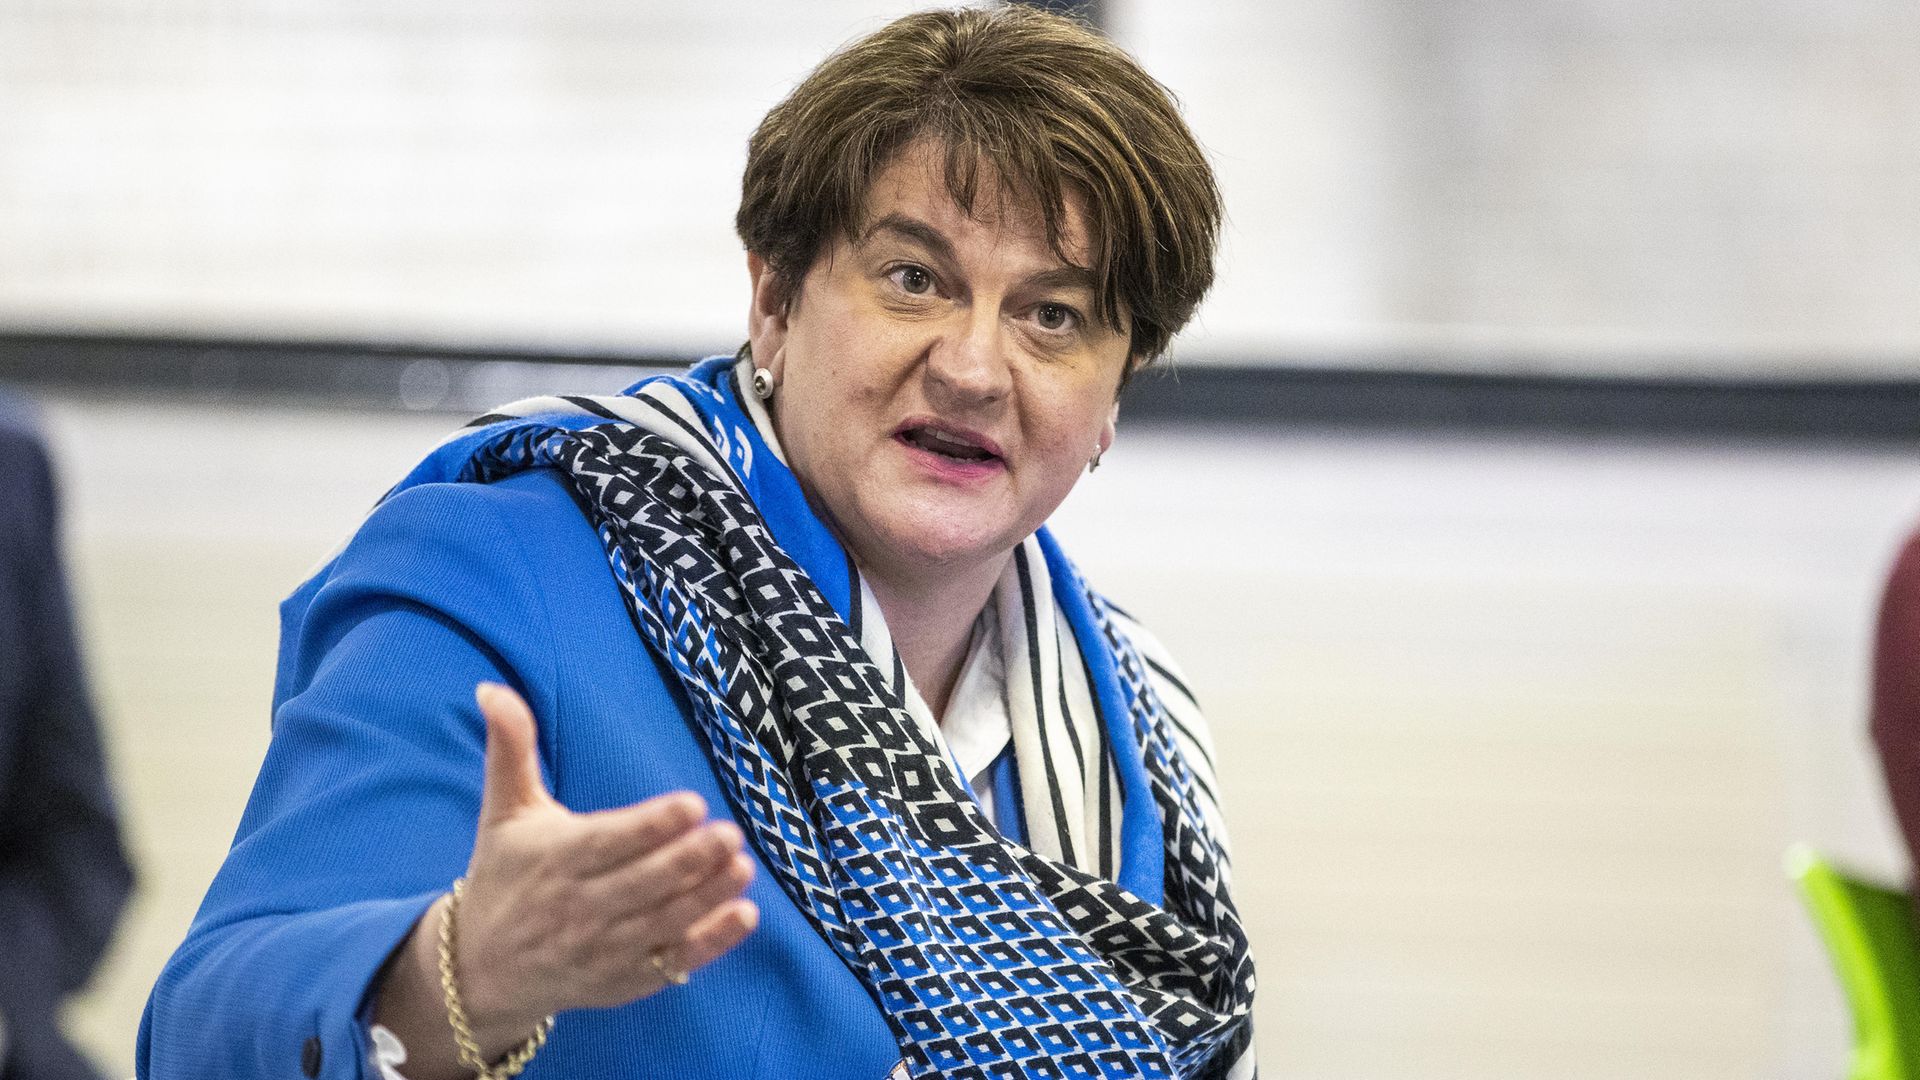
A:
(1869, 931)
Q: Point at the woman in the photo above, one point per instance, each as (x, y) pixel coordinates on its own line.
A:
(962, 821)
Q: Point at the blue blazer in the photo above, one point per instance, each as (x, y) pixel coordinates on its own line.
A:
(366, 806)
(63, 872)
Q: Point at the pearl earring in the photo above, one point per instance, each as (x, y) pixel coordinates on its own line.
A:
(763, 384)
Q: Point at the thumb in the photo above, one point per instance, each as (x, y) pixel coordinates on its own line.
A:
(513, 755)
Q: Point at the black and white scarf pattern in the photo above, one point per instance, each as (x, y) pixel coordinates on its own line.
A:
(988, 959)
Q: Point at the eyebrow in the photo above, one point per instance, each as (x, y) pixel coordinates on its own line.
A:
(916, 231)
(1065, 277)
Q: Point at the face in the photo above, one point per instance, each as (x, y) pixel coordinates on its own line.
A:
(942, 381)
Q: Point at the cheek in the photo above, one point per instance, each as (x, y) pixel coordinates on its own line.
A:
(1072, 420)
(1065, 439)
(834, 353)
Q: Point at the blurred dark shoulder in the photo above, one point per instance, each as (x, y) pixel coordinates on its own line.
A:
(18, 416)
(26, 481)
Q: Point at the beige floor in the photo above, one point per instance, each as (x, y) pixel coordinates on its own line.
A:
(1514, 731)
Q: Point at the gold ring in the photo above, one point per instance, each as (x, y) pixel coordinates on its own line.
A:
(672, 975)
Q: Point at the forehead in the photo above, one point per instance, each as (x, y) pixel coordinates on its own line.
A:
(916, 184)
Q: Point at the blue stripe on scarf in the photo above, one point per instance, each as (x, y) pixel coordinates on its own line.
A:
(1142, 836)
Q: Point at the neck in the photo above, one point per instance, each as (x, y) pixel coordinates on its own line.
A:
(931, 623)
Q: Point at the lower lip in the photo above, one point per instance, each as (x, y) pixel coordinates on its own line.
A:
(952, 470)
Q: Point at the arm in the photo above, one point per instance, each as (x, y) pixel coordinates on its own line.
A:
(362, 813)
(367, 806)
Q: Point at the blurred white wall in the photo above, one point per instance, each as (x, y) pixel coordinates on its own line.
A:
(1728, 188)
(1717, 186)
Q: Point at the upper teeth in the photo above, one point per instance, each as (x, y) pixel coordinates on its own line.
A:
(934, 440)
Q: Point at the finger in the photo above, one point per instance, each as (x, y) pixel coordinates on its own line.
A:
(673, 868)
(711, 937)
(667, 924)
(620, 837)
(513, 755)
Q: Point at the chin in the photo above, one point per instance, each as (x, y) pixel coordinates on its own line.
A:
(946, 549)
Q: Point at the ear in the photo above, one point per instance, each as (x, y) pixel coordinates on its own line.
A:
(766, 317)
(1107, 429)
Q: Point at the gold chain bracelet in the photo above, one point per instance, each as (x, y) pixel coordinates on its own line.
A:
(510, 1065)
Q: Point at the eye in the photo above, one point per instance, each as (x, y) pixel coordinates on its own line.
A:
(1055, 317)
(914, 280)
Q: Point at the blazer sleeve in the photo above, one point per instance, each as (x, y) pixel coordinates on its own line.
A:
(367, 801)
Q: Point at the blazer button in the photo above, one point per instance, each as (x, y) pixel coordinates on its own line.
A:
(310, 1057)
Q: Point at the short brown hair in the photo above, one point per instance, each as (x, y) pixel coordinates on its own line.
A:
(1045, 104)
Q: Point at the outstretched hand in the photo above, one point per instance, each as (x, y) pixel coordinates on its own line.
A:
(565, 910)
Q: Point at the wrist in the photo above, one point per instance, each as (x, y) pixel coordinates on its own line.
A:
(494, 1043)
(408, 1003)
(498, 1024)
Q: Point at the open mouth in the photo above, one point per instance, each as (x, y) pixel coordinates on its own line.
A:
(946, 444)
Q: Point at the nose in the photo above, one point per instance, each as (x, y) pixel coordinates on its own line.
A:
(969, 363)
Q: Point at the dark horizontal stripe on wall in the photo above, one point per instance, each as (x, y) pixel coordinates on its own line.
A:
(346, 374)
(362, 375)
(1872, 410)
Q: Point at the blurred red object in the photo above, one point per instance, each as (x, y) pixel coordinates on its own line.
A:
(1896, 691)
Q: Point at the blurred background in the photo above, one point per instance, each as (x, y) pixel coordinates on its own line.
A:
(1519, 502)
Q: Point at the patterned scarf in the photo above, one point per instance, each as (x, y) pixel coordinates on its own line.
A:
(988, 959)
